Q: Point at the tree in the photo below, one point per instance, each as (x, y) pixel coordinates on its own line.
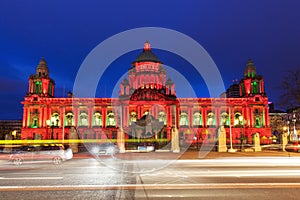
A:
(290, 89)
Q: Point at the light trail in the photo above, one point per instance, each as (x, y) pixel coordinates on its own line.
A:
(230, 173)
(151, 186)
(30, 178)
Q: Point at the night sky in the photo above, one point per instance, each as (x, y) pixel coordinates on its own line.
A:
(64, 32)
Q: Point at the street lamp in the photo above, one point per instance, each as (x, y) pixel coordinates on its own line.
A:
(288, 127)
(294, 119)
(242, 137)
(231, 150)
(196, 138)
(285, 128)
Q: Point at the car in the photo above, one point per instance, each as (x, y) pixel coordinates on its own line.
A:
(293, 147)
(41, 153)
(104, 149)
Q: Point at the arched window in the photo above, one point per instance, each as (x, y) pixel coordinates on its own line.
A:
(38, 87)
(183, 121)
(197, 119)
(83, 119)
(97, 119)
(255, 87)
(238, 119)
(111, 119)
(225, 119)
(35, 122)
(69, 119)
(211, 119)
(162, 117)
(133, 117)
(258, 121)
(55, 119)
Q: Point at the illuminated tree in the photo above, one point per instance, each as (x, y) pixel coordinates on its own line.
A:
(290, 89)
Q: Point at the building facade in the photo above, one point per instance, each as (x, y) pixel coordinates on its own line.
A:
(10, 129)
(147, 107)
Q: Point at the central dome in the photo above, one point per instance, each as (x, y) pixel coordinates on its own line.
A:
(147, 55)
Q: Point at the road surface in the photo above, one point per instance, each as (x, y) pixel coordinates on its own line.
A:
(110, 178)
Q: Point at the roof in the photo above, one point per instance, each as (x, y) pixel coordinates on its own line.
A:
(147, 54)
(42, 64)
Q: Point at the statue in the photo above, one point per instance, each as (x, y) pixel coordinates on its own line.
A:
(73, 136)
(222, 139)
(284, 140)
(256, 142)
(175, 140)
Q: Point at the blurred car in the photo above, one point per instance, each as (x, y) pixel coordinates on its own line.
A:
(293, 147)
(44, 153)
(104, 149)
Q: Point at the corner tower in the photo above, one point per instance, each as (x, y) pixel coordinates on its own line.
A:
(40, 83)
(252, 84)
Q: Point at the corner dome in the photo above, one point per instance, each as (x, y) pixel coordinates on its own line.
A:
(42, 68)
(147, 55)
(42, 64)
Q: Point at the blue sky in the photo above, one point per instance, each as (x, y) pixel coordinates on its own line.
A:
(64, 32)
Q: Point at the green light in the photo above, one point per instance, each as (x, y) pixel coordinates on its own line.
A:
(38, 87)
(254, 87)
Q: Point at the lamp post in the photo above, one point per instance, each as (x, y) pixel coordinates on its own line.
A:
(242, 137)
(288, 128)
(231, 150)
(196, 138)
(294, 119)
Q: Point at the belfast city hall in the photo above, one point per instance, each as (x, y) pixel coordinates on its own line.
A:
(147, 109)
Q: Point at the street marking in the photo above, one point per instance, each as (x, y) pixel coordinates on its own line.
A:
(30, 178)
(152, 186)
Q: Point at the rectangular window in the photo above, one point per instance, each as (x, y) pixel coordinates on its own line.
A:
(50, 89)
(243, 89)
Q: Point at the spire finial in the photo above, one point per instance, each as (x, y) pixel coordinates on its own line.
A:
(147, 46)
(43, 61)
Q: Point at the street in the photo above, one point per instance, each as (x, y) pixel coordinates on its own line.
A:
(114, 178)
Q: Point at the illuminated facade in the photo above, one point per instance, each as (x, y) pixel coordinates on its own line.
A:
(147, 107)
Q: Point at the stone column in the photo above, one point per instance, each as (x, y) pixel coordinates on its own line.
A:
(62, 116)
(25, 114)
(204, 110)
(75, 115)
(190, 116)
(103, 117)
(251, 116)
(90, 117)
